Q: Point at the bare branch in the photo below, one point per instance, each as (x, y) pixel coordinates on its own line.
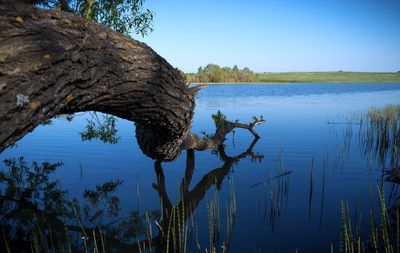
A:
(223, 127)
(196, 88)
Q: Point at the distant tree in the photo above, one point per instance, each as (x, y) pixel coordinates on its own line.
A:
(200, 73)
(123, 16)
(246, 70)
(214, 73)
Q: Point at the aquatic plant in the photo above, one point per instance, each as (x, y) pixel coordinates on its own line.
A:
(384, 229)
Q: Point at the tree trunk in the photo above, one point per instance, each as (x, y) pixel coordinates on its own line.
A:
(53, 63)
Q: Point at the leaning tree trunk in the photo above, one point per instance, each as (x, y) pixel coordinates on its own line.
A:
(53, 63)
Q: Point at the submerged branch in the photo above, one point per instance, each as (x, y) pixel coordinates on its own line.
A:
(223, 127)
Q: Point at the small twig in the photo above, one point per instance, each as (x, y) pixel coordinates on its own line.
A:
(196, 88)
(272, 179)
(343, 123)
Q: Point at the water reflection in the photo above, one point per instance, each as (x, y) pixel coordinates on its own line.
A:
(190, 199)
(101, 129)
(267, 220)
(36, 214)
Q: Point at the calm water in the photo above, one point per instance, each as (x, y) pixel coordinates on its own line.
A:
(300, 209)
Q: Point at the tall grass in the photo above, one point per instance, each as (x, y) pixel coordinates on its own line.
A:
(181, 227)
(8, 250)
(328, 77)
(384, 235)
(378, 134)
(383, 133)
(214, 220)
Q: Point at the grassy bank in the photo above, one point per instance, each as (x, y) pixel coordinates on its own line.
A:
(319, 77)
(329, 77)
(216, 83)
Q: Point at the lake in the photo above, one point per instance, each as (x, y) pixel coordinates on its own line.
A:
(283, 192)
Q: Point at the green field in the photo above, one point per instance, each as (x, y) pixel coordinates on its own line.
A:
(329, 77)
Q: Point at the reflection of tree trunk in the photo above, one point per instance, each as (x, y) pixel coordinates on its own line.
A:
(192, 198)
(52, 63)
(14, 207)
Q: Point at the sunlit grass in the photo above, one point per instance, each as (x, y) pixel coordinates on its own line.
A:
(329, 77)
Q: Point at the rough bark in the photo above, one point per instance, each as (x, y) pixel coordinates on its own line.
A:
(53, 63)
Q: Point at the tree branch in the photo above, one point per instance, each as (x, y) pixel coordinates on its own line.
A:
(224, 127)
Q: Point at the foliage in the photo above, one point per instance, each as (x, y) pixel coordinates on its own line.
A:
(102, 130)
(215, 73)
(27, 191)
(219, 119)
(36, 214)
(123, 16)
(101, 194)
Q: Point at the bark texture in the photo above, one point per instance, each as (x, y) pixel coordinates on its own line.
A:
(53, 63)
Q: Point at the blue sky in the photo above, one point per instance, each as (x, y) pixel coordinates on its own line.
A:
(278, 36)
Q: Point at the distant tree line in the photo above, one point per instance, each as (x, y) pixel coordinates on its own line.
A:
(215, 73)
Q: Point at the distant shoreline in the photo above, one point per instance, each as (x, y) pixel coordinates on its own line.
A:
(319, 77)
(216, 83)
(266, 83)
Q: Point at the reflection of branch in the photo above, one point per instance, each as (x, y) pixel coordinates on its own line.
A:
(248, 152)
(224, 127)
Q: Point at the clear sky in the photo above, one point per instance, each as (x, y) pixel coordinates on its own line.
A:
(278, 36)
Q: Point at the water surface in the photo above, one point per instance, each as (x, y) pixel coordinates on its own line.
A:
(287, 190)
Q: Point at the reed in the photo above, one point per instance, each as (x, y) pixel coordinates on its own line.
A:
(8, 249)
(310, 195)
(384, 233)
(42, 240)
